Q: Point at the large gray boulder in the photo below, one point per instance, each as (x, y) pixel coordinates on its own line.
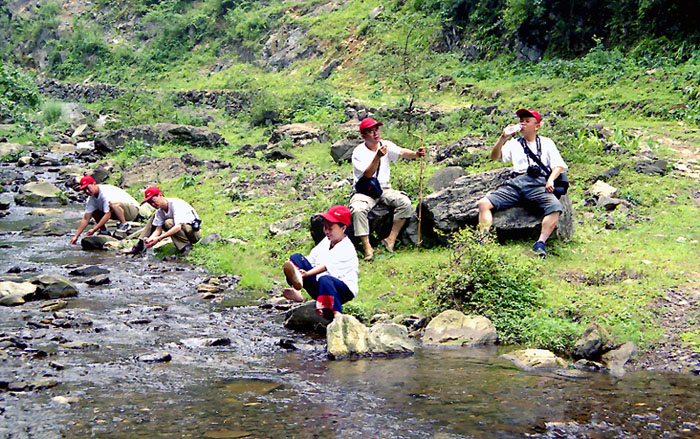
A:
(616, 359)
(389, 338)
(592, 342)
(151, 170)
(16, 293)
(54, 286)
(341, 151)
(300, 134)
(39, 193)
(112, 141)
(455, 207)
(50, 227)
(99, 242)
(455, 328)
(445, 177)
(346, 336)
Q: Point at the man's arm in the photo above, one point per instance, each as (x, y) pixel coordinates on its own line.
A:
(316, 270)
(374, 165)
(549, 187)
(106, 217)
(155, 237)
(83, 223)
(410, 154)
(496, 152)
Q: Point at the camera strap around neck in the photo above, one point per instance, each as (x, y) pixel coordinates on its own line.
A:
(531, 155)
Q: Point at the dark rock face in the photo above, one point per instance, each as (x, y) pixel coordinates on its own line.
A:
(249, 150)
(445, 177)
(305, 318)
(651, 167)
(466, 144)
(96, 242)
(300, 134)
(285, 47)
(341, 151)
(155, 134)
(455, 207)
(149, 170)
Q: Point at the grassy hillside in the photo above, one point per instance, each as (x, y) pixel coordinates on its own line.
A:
(646, 95)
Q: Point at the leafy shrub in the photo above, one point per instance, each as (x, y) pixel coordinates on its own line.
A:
(135, 148)
(51, 112)
(487, 280)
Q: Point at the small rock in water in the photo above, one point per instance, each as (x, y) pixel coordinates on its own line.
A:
(90, 270)
(160, 357)
(65, 399)
(81, 345)
(98, 280)
(57, 366)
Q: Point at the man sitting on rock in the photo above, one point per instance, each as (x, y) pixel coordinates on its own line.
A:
(529, 183)
(329, 274)
(174, 216)
(104, 202)
(371, 159)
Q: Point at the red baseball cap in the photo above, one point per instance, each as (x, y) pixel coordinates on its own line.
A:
(368, 123)
(85, 182)
(525, 113)
(150, 193)
(338, 214)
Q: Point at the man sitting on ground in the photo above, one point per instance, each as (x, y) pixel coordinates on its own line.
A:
(104, 202)
(371, 159)
(528, 185)
(174, 216)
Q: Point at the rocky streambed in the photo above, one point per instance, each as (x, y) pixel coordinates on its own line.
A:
(143, 350)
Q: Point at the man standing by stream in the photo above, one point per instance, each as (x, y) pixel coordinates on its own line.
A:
(371, 160)
(104, 202)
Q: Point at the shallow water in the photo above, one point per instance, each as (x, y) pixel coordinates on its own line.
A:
(251, 387)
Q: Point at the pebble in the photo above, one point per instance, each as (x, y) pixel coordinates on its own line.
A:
(160, 357)
(65, 399)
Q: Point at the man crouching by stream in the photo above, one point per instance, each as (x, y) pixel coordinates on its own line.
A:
(104, 203)
(174, 216)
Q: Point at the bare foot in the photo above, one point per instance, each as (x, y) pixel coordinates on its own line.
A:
(292, 294)
(369, 254)
(293, 275)
(389, 245)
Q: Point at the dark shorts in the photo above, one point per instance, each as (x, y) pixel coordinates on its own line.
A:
(523, 189)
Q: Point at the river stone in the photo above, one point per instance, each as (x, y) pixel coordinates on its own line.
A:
(51, 227)
(40, 193)
(9, 148)
(602, 189)
(45, 211)
(146, 210)
(16, 293)
(454, 328)
(591, 343)
(455, 207)
(24, 161)
(287, 225)
(81, 345)
(389, 338)
(346, 336)
(529, 359)
(62, 148)
(90, 270)
(98, 242)
(100, 279)
(615, 360)
(54, 286)
(67, 400)
(159, 357)
(305, 318)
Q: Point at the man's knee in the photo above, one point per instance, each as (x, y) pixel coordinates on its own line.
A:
(484, 204)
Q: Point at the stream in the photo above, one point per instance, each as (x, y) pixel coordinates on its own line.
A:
(228, 376)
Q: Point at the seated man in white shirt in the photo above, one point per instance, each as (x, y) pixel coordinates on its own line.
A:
(371, 159)
(329, 273)
(173, 216)
(528, 185)
(104, 203)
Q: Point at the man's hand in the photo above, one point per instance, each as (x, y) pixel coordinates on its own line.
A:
(549, 187)
(91, 232)
(303, 273)
(74, 240)
(150, 242)
(420, 152)
(381, 151)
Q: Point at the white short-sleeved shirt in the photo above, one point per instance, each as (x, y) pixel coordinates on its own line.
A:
(512, 151)
(362, 157)
(178, 210)
(108, 193)
(340, 261)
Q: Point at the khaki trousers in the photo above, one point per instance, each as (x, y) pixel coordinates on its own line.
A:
(185, 236)
(361, 204)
